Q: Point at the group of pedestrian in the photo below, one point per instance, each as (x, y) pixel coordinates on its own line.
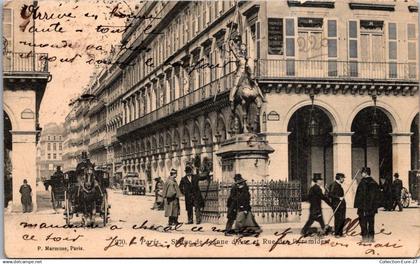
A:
(391, 193)
(239, 202)
(367, 201)
(189, 187)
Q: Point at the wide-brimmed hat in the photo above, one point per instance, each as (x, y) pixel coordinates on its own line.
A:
(317, 177)
(339, 176)
(366, 170)
(238, 178)
(172, 172)
(157, 179)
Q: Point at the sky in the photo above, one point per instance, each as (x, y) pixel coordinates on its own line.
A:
(69, 79)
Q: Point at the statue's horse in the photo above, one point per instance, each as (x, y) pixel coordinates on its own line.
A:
(88, 194)
(248, 95)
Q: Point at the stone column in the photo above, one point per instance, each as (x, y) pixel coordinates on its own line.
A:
(24, 165)
(342, 162)
(278, 168)
(136, 106)
(217, 163)
(401, 155)
(124, 112)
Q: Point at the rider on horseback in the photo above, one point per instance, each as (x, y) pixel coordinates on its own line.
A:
(245, 89)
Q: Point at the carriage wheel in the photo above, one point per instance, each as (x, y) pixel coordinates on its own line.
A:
(67, 204)
(405, 199)
(406, 202)
(105, 210)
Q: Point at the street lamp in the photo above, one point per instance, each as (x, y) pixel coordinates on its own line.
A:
(374, 129)
(313, 123)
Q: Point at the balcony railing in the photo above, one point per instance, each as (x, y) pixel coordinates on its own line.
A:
(25, 62)
(205, 92)
(97, 145)
(271, 68)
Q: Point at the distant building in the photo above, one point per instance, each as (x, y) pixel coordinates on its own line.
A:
(50, 150)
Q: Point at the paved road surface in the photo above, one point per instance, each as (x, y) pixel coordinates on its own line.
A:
(129, 213)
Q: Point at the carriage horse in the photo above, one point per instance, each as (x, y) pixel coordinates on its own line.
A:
(86, 195)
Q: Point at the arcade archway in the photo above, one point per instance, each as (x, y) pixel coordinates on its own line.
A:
(372, 143)
(310, 146)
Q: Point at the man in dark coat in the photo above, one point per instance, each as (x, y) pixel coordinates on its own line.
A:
(315, 196)
(190, 189)
(367, 201)
(385, 187)
(26, 196)
(336, 194)
(239, 200)
(396, 193)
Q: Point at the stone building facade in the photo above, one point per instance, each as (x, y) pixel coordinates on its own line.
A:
(340, 80)
(25, 76)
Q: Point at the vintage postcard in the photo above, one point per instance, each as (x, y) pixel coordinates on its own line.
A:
(203, 129)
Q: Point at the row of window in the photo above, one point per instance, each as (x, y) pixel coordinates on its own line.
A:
(54, 156)
(315, 34)
(54, 146)
(54, 137)
(195, 18)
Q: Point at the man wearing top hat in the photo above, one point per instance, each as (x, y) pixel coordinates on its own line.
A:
(367, 201)
(190, 189)
(396, 193)
(315, 195)
(336, 194)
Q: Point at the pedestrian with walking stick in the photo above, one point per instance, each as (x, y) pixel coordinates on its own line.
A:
(338, 202)
(315, 196)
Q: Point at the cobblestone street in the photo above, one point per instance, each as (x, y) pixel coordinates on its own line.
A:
(128, 224)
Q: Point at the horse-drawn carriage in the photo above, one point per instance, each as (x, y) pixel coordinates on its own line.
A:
(85, 194)
(56, 182)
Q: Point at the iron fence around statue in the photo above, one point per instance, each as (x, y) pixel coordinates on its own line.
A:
(271, 201)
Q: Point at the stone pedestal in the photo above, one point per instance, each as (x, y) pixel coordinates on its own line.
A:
(246, 154)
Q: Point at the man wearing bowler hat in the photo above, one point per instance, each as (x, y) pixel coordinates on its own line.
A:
(336, 194)
(367, 201)
(315, 195)
(190, 189)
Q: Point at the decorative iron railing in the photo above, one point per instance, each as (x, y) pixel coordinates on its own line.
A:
(271, 201)
(332, 69)
(25, 62)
